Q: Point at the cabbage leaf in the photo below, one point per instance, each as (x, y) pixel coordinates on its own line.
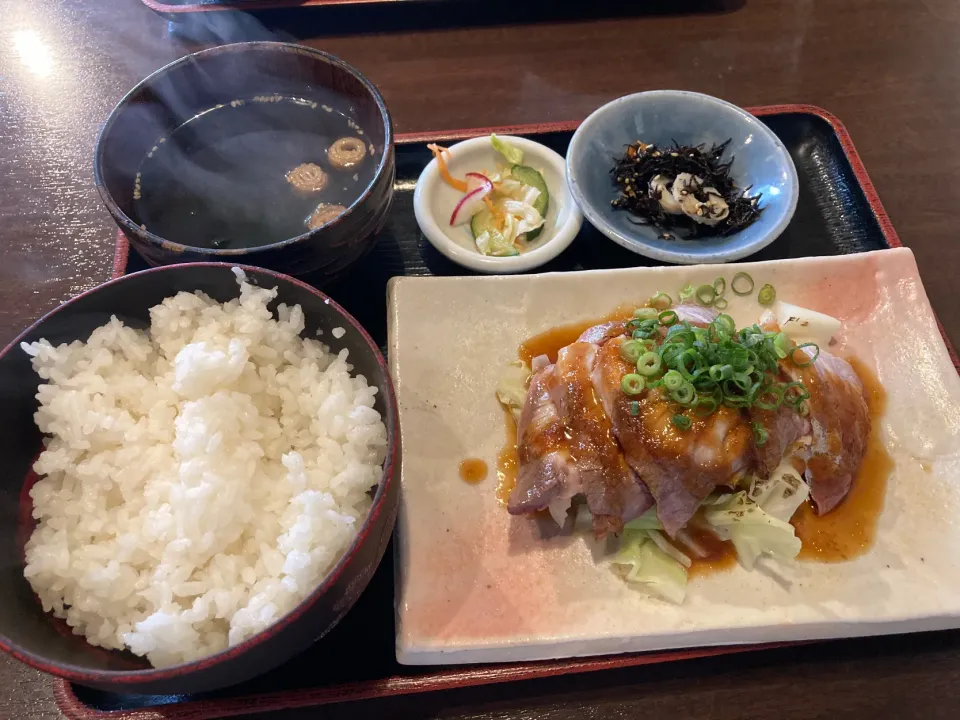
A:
(513, 155)
(751, 529)
(512, 387)
(642, 563)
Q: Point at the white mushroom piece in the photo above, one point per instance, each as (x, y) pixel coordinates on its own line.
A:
(710, 211)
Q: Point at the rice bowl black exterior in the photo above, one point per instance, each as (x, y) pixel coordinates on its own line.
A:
(44, 642)
(193, 85)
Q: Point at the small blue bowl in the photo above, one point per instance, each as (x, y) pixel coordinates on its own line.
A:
(761, 162)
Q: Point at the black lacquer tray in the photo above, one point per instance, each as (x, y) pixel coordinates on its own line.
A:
(838, 212)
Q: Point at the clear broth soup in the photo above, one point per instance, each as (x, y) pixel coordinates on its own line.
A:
(220, 179)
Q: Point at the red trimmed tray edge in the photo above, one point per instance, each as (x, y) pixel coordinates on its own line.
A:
(469, 676)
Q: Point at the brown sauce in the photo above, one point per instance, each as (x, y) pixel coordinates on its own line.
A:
(507, 462)
(473, 470)
(720, 554)
(850, 529)
(550, 342)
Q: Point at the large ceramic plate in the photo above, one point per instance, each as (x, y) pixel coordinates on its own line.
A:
(477, 585)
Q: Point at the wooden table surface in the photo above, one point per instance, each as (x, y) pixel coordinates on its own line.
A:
(890, 69)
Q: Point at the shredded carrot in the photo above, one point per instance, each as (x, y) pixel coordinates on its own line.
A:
(438, 153)
(495, 211)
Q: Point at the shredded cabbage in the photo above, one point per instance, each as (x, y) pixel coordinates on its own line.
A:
(510, 187)
(512, 387)
(643, 563)
(497, 244)
(528, 217)
(513, 155)
(669, 548)
(781, 494)
(752, 531)
(528, 194)
(647, 521)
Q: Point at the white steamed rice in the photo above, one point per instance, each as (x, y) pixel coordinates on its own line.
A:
(200, 478)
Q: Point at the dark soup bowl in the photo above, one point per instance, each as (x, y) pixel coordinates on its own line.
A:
(265, 153)
(45, 642)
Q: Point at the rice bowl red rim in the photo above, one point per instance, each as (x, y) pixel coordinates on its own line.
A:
(77, 674)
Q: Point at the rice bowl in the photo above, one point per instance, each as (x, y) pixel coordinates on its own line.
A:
(202, 477)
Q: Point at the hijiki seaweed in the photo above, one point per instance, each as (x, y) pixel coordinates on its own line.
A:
(683, 188)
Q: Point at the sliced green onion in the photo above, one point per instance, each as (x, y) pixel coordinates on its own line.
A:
(648, 364)
(794, 394)
(745, 286)
(633, 384)
(669, 352)
(631, 350)
(719, 286)
(687, 293)
(645, 328)
(634, 408)
(668, 317)
(705, 406)
(691, 356)
(661, 301)
(760, 434)
(645, 313)
(705, 386)
(767, 295)
(720, 303)
(681, 333)
(726, 322)
(738, 357)
(672, 380)
(684, 395)
(681, 421)
(706, 295)
(793, 354)
(781, 343)
(702, 368)
(736, 401)
(721, 372)
(769, 398)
